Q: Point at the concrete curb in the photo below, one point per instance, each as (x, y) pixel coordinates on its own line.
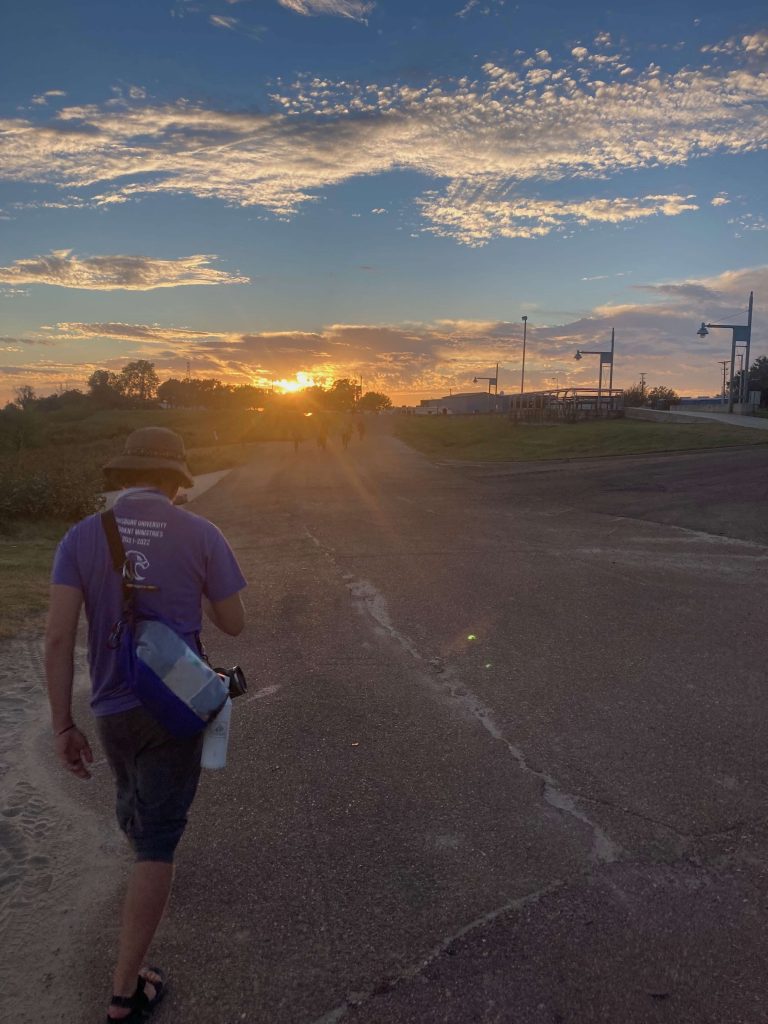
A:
(678, 416)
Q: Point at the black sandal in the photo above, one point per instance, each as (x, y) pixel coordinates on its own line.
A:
(140, 1005)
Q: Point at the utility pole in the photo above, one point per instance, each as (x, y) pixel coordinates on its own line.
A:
(642, 383)
(522, 375)
(723, 363)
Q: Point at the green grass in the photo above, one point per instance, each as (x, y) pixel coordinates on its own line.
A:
(65, 449)
(495, 439)
(26, 554)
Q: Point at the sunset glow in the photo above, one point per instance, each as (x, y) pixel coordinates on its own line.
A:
(391, 217)
(302, 381)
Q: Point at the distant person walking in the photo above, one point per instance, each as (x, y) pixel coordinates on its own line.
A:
(346, 434)
(321, 434)
(187, 566)
(360, 424)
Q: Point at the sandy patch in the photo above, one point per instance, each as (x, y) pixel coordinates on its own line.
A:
(60, 855)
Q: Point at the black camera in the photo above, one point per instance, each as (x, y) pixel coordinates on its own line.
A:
(236, 678)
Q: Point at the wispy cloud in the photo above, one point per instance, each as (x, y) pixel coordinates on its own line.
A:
(749, 222)
(25, 341)
(110, 273)
(42, 99)
(489, 7)
(656, 335)
(358, 10)
(474, 215)
(220, 21)
(477, 140)
(236, 25)
(754, 45)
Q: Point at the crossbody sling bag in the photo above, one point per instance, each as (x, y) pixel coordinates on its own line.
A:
(176, 685)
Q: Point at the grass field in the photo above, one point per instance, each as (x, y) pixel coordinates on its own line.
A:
(26, 553)
(68, 452)
(496, 439)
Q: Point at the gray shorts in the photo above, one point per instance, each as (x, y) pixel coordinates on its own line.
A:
(156, 777)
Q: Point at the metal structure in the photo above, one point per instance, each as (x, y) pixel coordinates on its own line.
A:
(741, 336)
(566, 405)
(525, 333)
(606, 359)
(492, 382)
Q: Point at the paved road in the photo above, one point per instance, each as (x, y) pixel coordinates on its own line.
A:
(505, 753)
(727, 419)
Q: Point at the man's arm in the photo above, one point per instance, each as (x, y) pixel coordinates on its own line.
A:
(227, 615)
(60, 633)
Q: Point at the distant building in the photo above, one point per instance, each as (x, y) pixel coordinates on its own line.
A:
(464, 404)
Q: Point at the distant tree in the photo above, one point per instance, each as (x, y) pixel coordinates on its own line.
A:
(374, 401)
(25, 396)
(69, 399)
(246, 396)
(342, 394)
(104, 387)
(636, 395)
(662, 397)
(758, 375)
(19, 427)
(173, 392)
(758, 371)
(315, 396)
(139, 381)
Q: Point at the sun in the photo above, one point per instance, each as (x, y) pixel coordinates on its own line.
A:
(303, 380)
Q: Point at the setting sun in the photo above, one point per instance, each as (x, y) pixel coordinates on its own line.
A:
(303, 380)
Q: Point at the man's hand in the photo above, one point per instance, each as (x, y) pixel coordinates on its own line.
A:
(74, 752)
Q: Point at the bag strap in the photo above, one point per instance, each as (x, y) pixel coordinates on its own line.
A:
(120, 562)
(115, 541)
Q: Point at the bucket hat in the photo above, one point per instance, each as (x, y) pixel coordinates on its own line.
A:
(154, 448)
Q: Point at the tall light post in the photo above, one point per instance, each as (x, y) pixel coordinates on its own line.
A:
(522, 375)
(742, 335)
(605, 358)
(724, 364)
(491, 381)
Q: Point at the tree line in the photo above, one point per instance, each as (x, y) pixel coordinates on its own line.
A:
(138, 385)
(661, 397)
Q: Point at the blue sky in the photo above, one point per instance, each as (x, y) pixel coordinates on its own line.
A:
(338, 187)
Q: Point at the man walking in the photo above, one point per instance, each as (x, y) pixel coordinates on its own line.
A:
(188, 567)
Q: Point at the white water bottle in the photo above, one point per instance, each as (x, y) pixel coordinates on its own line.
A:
(216, 738)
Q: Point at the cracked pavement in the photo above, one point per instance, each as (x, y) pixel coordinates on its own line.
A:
(504, 756)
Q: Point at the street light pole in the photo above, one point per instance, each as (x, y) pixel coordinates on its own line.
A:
(745, 397)
(610, 378)
(522, 375)
(605, 357)
(741, 334)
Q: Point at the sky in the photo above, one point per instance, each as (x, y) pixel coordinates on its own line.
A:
(381, 189)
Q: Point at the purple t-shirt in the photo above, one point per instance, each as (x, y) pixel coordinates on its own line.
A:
(183, 554)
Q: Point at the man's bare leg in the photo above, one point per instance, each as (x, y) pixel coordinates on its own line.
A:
(148, 890)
